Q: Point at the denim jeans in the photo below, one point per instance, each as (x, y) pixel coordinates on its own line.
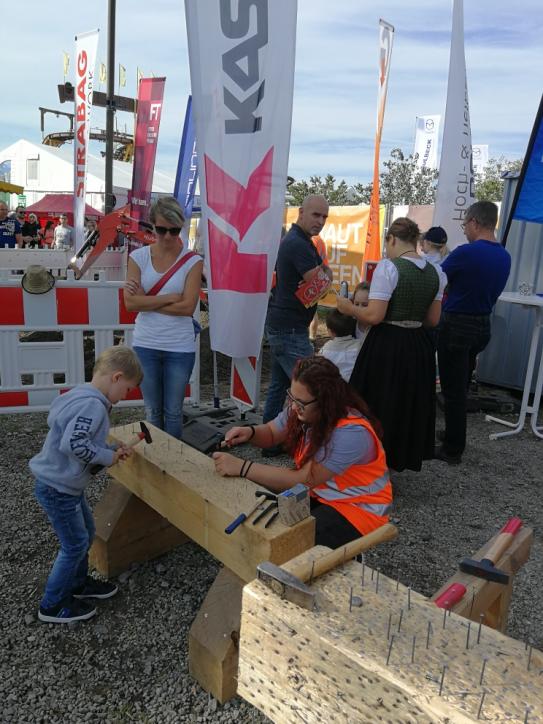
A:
(72, 521)
(166, 376)
(460, 339)
(287, 346)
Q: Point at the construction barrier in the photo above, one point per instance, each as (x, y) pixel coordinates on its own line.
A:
(111, 265)
(245, 382)
(74, 319)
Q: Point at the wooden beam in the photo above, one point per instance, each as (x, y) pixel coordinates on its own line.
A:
(181, 484)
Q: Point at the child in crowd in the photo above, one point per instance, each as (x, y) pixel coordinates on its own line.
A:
(434, 245)
(78, 427)
(360, 299)
(343, 348)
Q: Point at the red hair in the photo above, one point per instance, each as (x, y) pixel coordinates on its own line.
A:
(336, 400)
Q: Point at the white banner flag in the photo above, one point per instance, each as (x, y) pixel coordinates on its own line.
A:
(86, 45)
(242, 74)
(426, 139)
(455, 188)
(480, 157)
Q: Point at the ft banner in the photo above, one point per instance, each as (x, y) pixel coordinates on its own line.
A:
(242, 96)
(455, 186)
(386, 36)
(187, 166)
(85, 58)
(150, 94)
(426, 137)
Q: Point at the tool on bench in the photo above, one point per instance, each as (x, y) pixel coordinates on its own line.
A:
(243, 517)
(143, 435)
(291, 585)
(265, 512)
(271, 519)
(486, 568)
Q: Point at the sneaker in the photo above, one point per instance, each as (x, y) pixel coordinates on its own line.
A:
(93, 588)
(67, 611)
(442, 454)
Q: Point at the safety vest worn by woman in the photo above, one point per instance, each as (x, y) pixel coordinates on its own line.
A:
(362, 493)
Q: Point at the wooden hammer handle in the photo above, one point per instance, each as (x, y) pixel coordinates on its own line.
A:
(330, 560)
(503, 540)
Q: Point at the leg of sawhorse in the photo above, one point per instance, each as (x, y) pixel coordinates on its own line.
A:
(214, 637)
(128, 531)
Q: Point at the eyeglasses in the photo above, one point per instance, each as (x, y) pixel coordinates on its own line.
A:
(163, 230)
(299, 403)
(466, 222)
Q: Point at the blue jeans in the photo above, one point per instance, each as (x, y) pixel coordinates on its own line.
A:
(460, 338)
(73, 523)
(166, 375)
(287, 346)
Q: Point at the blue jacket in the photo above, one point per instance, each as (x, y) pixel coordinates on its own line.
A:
(78, 427)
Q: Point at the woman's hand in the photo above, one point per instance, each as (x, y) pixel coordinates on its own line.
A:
(227, 465)
(345, 306)
(133, 287)
(237, 436)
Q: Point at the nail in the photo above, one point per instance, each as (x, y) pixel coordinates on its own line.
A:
(389, 624)
(363, 568)
(472, 602)
(526, 715)
(428, 633)
(444, 617)
(529, 657)
(397, 583)
(390, 648)
(482, 672)
(351, 601)
(400, 620)
(377, 583)
(442, 679)
(312, 572)
(372, 572)
(481, 619)
(409, 598)
(481, 705)
(467, 637)
(413, 649)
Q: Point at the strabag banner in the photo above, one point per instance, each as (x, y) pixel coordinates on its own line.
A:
(242, 75)
(86, 45)
(150, 95)
(426, 138)
(455, 186)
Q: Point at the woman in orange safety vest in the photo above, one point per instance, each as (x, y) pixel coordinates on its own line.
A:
(329, 432)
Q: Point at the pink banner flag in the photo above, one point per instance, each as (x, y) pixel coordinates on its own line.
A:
(150, 95)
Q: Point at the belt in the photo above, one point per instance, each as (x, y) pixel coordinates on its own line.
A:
(405, 323)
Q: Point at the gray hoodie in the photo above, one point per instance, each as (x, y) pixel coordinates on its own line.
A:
(78, 427)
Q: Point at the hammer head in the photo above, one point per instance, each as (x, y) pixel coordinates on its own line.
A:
(286, 585)
(484, 569)
(146, 433)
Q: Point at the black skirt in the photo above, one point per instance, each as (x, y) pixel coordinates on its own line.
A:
(395, 373)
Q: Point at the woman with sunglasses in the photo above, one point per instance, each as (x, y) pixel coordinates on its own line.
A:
(329, 432)
(163, 284)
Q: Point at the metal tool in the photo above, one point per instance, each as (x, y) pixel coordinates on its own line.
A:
(485, 568)
(243, 516)
(265, 512)
(292, 586)
(271, 519)
(144, 434)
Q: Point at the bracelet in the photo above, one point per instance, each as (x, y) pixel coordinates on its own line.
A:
(242, 469)
(248, 468)
(252, 432)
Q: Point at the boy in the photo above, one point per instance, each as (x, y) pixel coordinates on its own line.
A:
(343, 348)
(76, 441)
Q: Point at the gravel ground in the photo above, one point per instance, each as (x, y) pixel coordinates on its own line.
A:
(130, 663)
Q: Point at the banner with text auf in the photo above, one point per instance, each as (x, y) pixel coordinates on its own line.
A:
(386, 36)
(242, 104)
(455, 186)
(344, 235)
(187, 166)
(426, 139)
(150, 95)
(86, 45)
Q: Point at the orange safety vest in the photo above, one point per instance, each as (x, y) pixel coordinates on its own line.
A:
(362, 493)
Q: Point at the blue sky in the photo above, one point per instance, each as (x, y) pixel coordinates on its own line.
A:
(335, 94)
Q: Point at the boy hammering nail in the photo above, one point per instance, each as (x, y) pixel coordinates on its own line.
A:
(78, 428)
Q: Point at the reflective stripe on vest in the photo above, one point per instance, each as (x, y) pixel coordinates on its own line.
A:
(332, 492)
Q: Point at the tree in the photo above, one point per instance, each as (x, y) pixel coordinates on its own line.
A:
(402, 182)
(489, 183)
(336, 195)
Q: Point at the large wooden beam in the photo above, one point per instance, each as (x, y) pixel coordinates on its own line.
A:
(181, 484)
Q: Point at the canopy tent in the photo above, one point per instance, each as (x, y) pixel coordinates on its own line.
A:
(55, 204)
(11, 188)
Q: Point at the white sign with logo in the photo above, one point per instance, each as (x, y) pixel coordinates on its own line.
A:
(480, 157)
(426, 140)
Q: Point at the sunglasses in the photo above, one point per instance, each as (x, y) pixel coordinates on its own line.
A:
(298, 403)
(163, 230)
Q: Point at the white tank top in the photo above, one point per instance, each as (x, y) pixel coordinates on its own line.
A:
(162, 331)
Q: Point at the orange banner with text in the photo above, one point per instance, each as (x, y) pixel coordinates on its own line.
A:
(344, 234)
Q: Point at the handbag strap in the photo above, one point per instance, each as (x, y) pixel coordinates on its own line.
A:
(167, 275)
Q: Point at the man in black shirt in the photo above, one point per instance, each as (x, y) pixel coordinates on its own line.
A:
(287, 323)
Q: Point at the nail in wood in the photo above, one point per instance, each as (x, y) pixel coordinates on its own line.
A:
(377, 583)
(397, 583)
(413, 649)
(444, 617)
(428, 633)
(389, 625)
(409, 598)
(529, 657)
(526, 713)
(467, 637)
(400, 620)
(312, 573)
(472, 602)
(363, 568)
(442, 678)
(482, 672)
(481, 705)
(481, 619)
(372, 572)
(390, 648)
(351, 601)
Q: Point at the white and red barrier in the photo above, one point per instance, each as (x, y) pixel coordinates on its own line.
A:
(30, 370)
(111, 265)
(245, 382)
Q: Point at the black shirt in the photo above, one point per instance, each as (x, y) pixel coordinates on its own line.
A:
(297, 255)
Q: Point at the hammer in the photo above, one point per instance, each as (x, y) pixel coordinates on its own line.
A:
(143, 435)
(291, 585)
(485, 568)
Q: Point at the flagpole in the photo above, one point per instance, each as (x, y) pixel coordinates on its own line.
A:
(110, 107)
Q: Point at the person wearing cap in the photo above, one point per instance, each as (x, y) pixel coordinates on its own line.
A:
(434, 245)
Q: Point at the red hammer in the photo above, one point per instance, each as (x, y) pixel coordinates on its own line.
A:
(143, 435)
(485, 568)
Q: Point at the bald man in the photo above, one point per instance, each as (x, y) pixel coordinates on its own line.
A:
(287, 323)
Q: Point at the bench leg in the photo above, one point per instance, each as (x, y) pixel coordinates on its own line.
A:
(214, 637)
(128, 531)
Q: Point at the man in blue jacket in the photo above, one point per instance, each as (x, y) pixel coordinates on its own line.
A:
(477, 273)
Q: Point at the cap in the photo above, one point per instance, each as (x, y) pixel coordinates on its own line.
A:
(436, 235)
